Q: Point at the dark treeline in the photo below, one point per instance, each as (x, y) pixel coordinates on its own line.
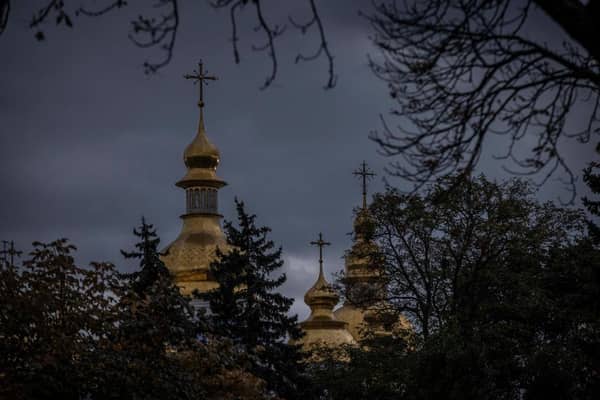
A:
(501, 292)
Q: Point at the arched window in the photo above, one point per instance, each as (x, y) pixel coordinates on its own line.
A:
(196, 199)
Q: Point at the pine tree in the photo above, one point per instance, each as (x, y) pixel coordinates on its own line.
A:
(159, 312)
(157, 324)
(246, 308)
(151, 268)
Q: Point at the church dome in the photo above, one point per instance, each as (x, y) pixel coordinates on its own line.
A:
(322, 328)
(201, 153)
(321, 294)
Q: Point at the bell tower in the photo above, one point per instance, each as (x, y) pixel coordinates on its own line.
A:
(189, 256)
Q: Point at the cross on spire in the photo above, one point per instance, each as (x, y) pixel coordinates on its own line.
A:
(320, 243)
(200, 76)
(366, 174)
(8, 253)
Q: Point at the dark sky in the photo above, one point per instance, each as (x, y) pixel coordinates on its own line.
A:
(89, 144)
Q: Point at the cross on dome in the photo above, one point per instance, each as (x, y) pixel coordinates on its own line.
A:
(321, 243)
(365, 173)
(200, 76)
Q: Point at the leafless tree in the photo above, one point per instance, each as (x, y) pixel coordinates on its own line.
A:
(464, 70)
(158, 23)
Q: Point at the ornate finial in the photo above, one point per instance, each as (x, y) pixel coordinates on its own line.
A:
(8, 253)
(366, 174)
(200, 76)
(320, 243)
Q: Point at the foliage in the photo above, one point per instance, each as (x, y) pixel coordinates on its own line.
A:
(379, 369)
(591, 176)
(94, 333)
(54, 316)
(503, 294)
(151, 268)
(438, 247)
(246, 309)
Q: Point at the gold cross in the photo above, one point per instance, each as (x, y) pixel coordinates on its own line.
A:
(320, 243)
(365, 173)
(200, 76)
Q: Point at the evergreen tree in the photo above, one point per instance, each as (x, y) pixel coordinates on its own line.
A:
(151, 268)
(246, 308)
(160, 335)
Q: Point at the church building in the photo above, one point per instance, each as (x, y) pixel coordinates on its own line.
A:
(189, 256)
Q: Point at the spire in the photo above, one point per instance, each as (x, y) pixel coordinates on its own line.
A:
(320, 243)
(321, 327)
(200, 154)
(321, 297)
(201, 77)
(189, 256)
(365, 174)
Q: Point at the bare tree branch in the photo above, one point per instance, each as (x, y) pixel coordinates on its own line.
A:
(323, 46)
(272, 32)
(157, 31)
(157, 25)
(462, 71)
(107, 8)
(4, 13)
(51, 7)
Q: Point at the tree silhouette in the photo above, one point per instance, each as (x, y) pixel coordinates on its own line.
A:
(461, 71)
(247, 309)
(158, 22)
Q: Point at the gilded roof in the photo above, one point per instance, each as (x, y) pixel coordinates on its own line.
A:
(189, 256)
(201, 153)
(321, 293)
(322, 328)
(354, 317)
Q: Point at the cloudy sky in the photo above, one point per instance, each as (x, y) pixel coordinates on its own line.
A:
(89, 143)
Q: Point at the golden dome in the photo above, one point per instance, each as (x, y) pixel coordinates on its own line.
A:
(189, 256)
(201, 153)
(354, 317)
(364, 287)
(321, 294)
(322, 328)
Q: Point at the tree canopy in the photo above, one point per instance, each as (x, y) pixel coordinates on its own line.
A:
(501, 291)
(94, 333)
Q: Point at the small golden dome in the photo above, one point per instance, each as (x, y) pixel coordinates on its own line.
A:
(322, 328)
(321, 294)
(201, 153)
